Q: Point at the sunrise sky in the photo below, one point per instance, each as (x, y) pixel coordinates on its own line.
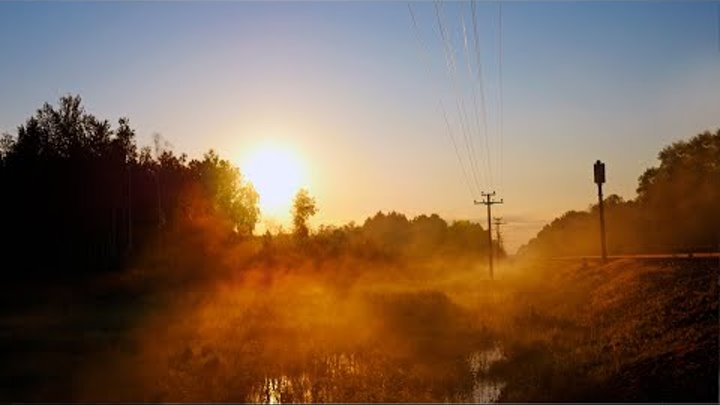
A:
(352, 90)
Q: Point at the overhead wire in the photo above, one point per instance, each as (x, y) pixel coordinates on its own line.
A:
(459, 101)
(474, 192)
(501, 117)
(477, 192)
(480, 81)
(472, 91)
(474, 166)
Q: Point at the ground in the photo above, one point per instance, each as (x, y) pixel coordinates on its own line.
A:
(629, 330)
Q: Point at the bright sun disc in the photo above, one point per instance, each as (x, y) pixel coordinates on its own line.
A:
(277, 175)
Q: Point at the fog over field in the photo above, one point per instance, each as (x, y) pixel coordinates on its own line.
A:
(336, 202)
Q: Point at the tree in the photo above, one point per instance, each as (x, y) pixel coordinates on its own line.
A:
(680, 197)
(230, 195)
(676, 208)
(304, 207)
(81, 191)
(7, 143)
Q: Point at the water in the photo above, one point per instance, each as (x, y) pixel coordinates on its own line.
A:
(333, 371)
(273, 390)
(344, 377)
(486, 389)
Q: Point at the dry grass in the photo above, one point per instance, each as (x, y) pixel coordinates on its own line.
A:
(348, 330)
(631, 330)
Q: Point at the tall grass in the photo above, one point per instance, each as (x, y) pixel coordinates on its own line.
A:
(237, 322)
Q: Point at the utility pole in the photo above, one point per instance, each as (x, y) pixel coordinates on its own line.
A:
(488, 202)
(497, 221)
(599, 172)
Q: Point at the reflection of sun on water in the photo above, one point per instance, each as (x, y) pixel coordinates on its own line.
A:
(277, 174)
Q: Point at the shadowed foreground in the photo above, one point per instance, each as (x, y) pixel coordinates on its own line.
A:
(632, 330)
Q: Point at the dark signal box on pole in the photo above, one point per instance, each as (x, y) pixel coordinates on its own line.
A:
(599, 172)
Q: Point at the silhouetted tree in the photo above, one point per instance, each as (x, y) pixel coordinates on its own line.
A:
(466, 236)
(304, 207)
(76, 192)
(681, 196)
(428, 233)
(676, 208)
(231, 196)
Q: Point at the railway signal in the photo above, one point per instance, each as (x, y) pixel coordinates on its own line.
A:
(599, 172)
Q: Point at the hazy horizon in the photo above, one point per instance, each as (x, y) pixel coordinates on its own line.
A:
(345, 88)
(278, 201)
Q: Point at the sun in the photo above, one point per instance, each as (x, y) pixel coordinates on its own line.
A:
(277, 174)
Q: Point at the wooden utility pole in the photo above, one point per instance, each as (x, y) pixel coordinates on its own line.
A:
(488, 202)
(497, 221)
(599, 172)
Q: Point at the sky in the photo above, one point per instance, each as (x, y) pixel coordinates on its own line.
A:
(387, 114)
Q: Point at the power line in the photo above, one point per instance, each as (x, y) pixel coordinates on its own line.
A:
(482, 168)
(483, 104)
(459, 102)
(457, 152)
(426, 58)
(500, 92)
(475, 109)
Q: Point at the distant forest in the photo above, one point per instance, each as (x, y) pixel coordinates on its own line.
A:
(676, 210)
(79, 197)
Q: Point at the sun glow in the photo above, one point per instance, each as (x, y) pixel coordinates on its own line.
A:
(277, 174)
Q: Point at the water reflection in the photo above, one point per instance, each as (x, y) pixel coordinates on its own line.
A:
(336, 377)
(341, 364)
(274, 390)
(481, 361)
(331, 372)
(485, 389)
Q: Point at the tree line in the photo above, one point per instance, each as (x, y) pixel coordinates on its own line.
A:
(80, 196)
(676, 210)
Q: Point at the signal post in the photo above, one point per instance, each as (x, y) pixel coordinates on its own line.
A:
(599, 172)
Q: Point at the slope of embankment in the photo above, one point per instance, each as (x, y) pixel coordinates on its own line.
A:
(630, 330)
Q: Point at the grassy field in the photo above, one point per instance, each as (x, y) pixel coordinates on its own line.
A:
(630, 330)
